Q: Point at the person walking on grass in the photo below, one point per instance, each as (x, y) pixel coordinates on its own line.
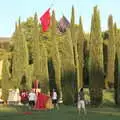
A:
(55, 99)
(81, 101)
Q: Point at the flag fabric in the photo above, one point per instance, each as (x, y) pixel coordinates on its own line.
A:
(41, 101)
(45, 20)
(63, 24)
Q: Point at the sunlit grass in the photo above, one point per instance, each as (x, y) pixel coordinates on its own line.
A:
(107, 111)
(65, 113)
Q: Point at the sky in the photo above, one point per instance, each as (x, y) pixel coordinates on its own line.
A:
(10, 10)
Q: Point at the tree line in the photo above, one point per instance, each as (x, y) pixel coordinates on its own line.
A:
(65, 61)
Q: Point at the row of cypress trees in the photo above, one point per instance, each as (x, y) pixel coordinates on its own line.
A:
(69, 63)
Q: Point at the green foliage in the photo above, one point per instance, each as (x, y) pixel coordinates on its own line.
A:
(36, 50)
(72, 27)
(44, 79)
(55, 55)
(80, 48)
(5, 82)
(111, 52)
(96, 60)
(117, 66)
(26, 80)
(27, 27)
(96, 96)
(29, 75)
(20, 54)
(68, 69)
(15, 56)
(68, 54)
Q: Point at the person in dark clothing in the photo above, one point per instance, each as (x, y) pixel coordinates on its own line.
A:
(81, 101)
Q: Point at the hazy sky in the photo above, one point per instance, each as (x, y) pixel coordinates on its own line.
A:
(10, 10)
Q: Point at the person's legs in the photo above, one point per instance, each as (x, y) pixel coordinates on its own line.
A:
(83, 106)
(33, 104)
(79, 107)
(30, 105)
(57, 106)
(53, 102)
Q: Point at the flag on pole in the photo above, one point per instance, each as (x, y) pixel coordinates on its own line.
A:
(63, 24)
(45, 20)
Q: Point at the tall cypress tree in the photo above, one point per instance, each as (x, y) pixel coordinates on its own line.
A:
(72, 27)
(68, 69)
(118, 54)
(15, 58)
(23, 50)
(36, 50)
(5, 82)
(44, 79)
(117, 65)
(80, 47)
(55, 56)
(96, 60)
(111, 53)
(29, 75)
(74, 41)
(20, 53)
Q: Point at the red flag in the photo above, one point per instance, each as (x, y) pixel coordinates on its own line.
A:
(45, 20)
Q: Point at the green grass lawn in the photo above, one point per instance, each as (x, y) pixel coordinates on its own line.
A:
(107, 111)
(64, 113)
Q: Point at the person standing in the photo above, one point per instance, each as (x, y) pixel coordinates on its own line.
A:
(32, 98)
(54, 99)
(81, 101)
(24, 96)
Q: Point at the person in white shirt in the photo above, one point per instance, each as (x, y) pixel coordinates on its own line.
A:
(54, 99)
(32, 98)
(81, 101)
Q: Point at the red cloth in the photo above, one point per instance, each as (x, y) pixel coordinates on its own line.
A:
(41, 101)
(45, 20)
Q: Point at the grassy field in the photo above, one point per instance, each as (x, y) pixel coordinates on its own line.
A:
(107, 111)
(64, 113)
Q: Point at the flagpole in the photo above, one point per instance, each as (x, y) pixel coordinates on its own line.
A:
(52, 4)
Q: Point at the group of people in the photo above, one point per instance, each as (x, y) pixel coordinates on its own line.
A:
(40, 100)
(35, 99)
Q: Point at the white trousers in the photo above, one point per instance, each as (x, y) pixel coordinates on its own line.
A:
(81, 104)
